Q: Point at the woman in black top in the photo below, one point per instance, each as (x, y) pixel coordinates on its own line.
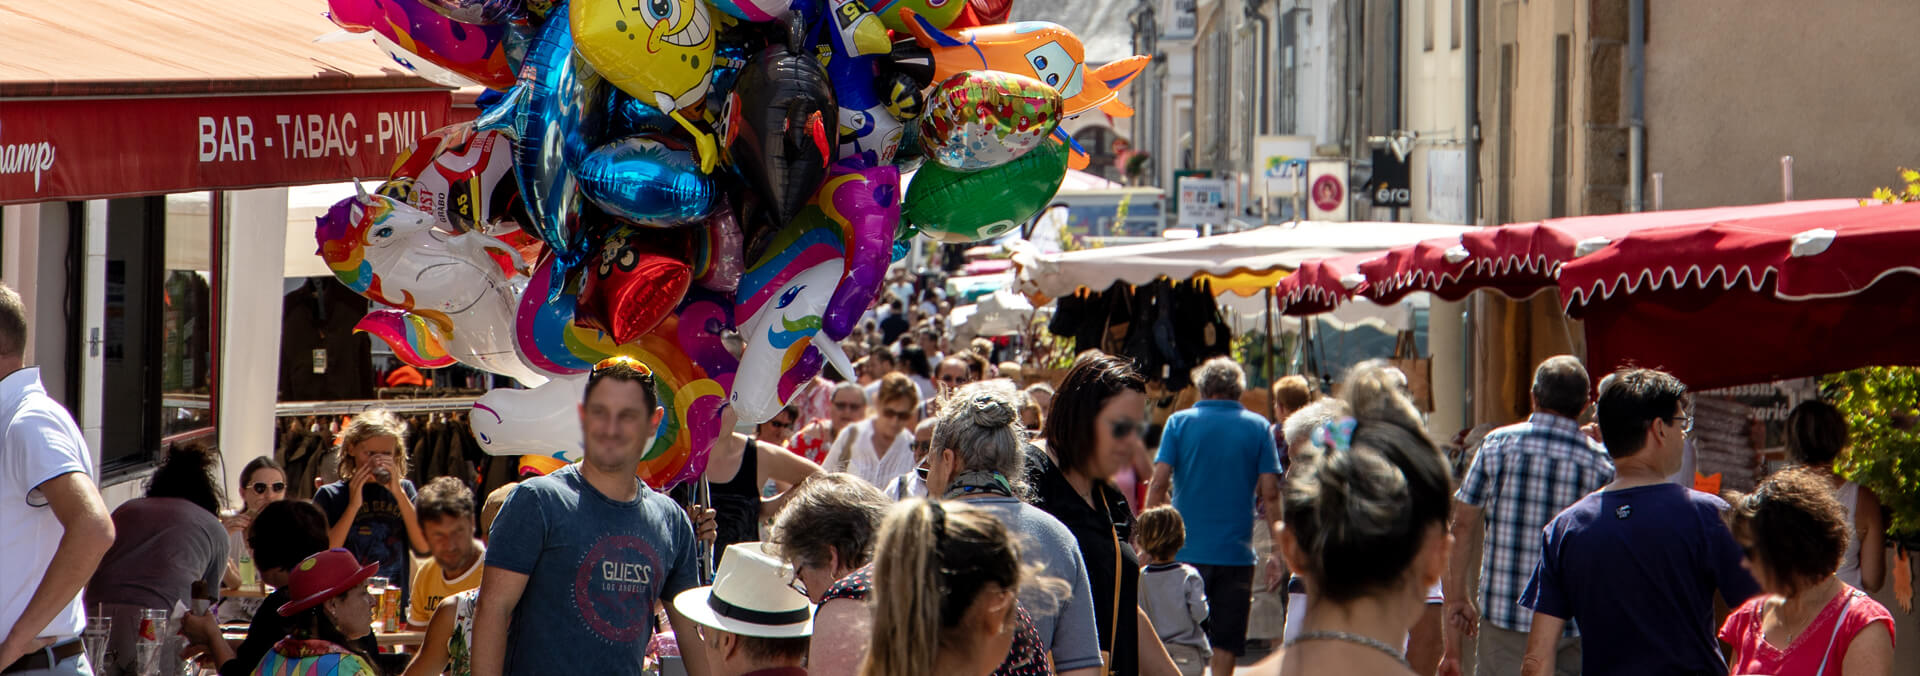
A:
(1096, 425)
(736, 477)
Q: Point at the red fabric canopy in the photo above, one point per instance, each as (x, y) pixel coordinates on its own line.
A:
(1517, 260)
(1755, 300)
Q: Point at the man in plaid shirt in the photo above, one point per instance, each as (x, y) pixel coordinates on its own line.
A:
(1522, 476)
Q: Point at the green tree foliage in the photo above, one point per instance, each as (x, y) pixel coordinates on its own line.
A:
(1882, 406)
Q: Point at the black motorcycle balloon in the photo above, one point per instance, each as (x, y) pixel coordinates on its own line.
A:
(782, 128)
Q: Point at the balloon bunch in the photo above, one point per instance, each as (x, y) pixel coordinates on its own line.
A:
(662, 175)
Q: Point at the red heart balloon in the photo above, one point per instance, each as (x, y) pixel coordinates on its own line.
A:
(633, 282)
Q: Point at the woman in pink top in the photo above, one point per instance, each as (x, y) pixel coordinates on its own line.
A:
(1809, 623)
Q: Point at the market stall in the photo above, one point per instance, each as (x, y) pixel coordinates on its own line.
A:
(1244, 263)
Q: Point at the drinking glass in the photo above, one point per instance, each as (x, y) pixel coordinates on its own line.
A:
(94, 638)
(377, 587)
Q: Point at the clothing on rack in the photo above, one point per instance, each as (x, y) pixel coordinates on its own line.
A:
(321, 358)
(1166, 328)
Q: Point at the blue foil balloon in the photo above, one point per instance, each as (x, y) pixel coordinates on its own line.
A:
(649, 180)
(543, 116)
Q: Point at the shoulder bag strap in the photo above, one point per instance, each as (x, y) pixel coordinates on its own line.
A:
(1837, 621)
(1113, 636)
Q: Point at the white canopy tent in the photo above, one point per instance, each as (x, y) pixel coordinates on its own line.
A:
(1245, 263)
(190, 249)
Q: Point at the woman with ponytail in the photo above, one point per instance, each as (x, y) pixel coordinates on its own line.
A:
(945, 590)
(1364, 522)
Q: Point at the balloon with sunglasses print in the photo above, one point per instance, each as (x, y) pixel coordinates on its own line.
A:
(637, 278)
(780, 130)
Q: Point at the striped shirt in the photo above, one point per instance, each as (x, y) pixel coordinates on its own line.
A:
(1523, 475)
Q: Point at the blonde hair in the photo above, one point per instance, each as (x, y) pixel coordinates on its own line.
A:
(934, 560)
(370, 424)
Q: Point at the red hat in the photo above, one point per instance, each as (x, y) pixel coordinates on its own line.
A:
(324, 576)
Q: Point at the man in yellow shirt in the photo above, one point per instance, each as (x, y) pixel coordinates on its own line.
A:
(445, 508)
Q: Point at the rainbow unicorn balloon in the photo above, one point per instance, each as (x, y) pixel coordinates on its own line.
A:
(456, 292)
(692, 371)
(784, 295)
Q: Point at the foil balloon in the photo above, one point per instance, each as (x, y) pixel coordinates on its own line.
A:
(957, 207)
(687, 354)
(651, 180)
(982, 118)
(461, 176)
(543, 116)
(476, 11)
(753, 10)
(902, 97)
(427, 70)
(1044, 51)
(633, 283)
(414, 342)
(983, 13)
(784, 346)
(627, 116)
(941, 13)
(477, 53)
(660, 51)
(862, 205)
(778, 129)
(460, 286)
(722, 259)
(543, 421)
(857, 43)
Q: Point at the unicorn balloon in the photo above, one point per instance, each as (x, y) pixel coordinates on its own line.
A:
(457, 292)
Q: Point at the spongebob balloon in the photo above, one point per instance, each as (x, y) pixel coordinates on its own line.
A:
(659, 51)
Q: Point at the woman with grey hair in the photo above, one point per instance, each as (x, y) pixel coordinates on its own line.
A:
(977, 457)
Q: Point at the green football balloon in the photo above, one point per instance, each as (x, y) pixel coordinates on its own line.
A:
(968, 206)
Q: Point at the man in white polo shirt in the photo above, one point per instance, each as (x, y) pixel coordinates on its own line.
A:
(55, 526)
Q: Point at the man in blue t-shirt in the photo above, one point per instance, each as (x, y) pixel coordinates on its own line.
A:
(1212, 458)
(1637, 562)
(576, 559)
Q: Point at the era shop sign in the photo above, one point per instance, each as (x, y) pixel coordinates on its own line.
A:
(72, 149)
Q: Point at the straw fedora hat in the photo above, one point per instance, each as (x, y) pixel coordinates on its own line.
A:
(751, 596)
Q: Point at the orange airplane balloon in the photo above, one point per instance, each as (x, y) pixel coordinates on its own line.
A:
(1044, 51)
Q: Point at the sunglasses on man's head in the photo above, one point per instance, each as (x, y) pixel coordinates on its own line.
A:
(617, 361)
(261, 487)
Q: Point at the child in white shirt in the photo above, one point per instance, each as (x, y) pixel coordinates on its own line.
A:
(1172, 593)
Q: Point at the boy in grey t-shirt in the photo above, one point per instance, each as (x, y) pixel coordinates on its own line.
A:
(1173, 594)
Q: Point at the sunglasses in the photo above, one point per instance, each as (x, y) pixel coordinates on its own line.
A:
(261, 487)
(849, 406)
(797, 584)
(779, 425)
(897, 413)
(1129, 428)
(921, 447)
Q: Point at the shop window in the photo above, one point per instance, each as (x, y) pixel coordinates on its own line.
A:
(157, 337)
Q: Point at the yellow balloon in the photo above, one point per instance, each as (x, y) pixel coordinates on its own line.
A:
(660, 51)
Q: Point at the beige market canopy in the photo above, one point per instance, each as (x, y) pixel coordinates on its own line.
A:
(1245, 263)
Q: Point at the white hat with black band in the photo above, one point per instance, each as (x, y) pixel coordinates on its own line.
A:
(752, 595)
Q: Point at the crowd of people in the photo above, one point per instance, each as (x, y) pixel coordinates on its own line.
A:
(944, 514)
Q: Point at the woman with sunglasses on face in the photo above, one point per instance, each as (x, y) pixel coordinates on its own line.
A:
(880, 448)
(847, 406)
(736, 477)
(1095, 427)
(261, 482)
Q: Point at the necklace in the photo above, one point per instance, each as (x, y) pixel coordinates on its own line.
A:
(1353, 638)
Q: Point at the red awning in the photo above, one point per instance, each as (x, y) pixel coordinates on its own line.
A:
(1754, 300)
(1516, 260)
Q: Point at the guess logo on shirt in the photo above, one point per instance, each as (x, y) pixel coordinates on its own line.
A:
(615, 587)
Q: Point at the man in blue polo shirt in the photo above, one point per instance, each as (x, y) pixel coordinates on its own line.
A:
(1212, 458)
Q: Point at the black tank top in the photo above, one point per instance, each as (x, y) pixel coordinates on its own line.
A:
(737, 502)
